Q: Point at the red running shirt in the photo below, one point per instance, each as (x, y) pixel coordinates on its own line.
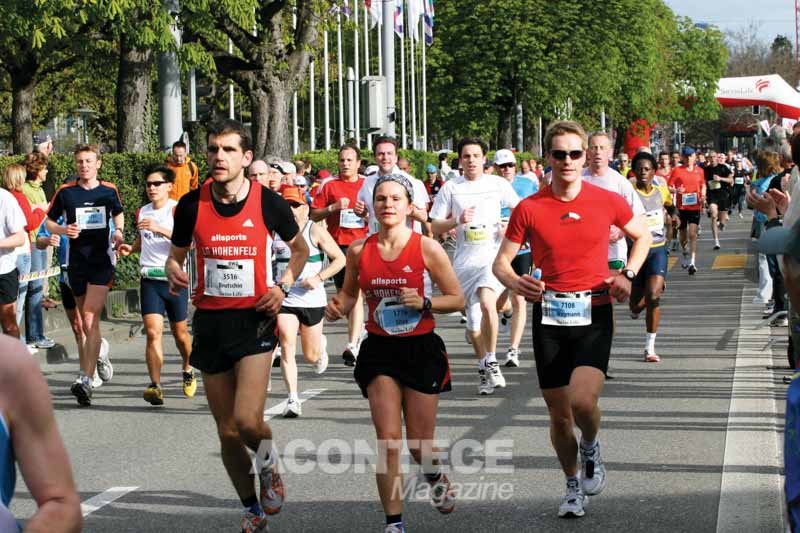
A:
(233, 254)
(381, 281)
(692, 181)
(332, 192)
(569, 240)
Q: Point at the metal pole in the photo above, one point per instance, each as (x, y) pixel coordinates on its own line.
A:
(351, 108)
(312, 141)
(192, 96)
(169, 88)
(413, 82)
(327, 93)
(541, 148)
(295, 129)
(603, 118)
(387, 65)
(403, 90)
(357, 129)
(380, 47)
(339, 66)
(231, 110)
(366, 60)
(424, 97)
(520, 133)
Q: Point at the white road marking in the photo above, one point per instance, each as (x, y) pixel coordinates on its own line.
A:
(104, 498)
(277, 410)
(752, 500)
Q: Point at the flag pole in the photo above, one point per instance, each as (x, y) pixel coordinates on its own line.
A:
(402, 81)
(411, 28)
(339, 66)
(327, 93)
(357, 76)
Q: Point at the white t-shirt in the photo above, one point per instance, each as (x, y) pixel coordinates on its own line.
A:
(478, 241)
(155, 246)
(13, 222)
(614, 182)
(421, 198)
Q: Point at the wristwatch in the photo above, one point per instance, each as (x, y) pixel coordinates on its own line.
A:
(427, 305)
(285, 288)
(628, 273)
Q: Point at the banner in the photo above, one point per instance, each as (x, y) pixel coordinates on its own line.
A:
(398, 18)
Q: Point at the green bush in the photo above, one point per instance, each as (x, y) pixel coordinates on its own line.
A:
(125, 171)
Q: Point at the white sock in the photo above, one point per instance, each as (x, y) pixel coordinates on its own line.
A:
(488, 358)
(293, 397)
(650, 347)
(692, 258)
(588, 445)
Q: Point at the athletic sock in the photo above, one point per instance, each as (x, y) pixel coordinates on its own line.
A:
(693, 258)
(482, 364)
(293, 397)
(650, 347)
(433, 478)
(394, 520)
(588, 445)
(488, 358)
(251, 505)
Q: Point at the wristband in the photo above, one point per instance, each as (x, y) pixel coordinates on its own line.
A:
(427, 305)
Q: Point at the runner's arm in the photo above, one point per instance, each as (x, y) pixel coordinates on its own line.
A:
(39, 450)
(343, 301)
(636, 229)
(14, 240)
(444, 225)
(331, 249)
(178, 279)
(442, 274)
(526, 286)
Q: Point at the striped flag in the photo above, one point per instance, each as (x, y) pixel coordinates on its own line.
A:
(375, 12)
(428, 22)
(398, 18)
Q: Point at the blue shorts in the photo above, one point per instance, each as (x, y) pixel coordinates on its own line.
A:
(155, 299)
(80, 276)
(654, 265)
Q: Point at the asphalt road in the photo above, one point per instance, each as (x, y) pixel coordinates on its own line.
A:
(680, 455)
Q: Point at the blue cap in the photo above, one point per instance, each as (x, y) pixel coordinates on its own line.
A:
(687, 151)
(430, 168)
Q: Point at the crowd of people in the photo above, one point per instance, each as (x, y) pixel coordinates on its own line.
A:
(570, 235)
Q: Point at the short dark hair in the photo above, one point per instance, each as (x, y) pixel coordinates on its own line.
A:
(644, 155)
(353, 147)
(443, 156)
(227, 126)
(470, 141)
(179, 144)
(383, 139)
(165, 172)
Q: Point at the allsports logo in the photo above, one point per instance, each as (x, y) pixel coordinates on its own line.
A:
(228, 238)
(762, 84)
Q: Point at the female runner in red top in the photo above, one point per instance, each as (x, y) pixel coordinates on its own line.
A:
(402, 365)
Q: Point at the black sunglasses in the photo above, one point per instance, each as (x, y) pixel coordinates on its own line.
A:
(154, 184)
(507, 165)
(561, 155)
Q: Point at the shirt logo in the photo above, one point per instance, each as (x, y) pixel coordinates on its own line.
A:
(248, 224)
(407, 269)
(570, 218)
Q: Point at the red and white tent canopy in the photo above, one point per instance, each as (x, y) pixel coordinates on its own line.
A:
(771, 90)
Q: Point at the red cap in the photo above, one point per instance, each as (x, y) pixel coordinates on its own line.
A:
(293, 195)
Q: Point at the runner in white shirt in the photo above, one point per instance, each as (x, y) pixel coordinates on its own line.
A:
(154, 222)
(12, 235)
(599, 173)
(385, 150)
(472, 203)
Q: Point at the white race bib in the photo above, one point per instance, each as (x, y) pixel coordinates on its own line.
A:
(395, 318)
(567, 308)
(226, 278)
(655, 220)
(714, 185)
(476, 233)
(738, 181)
(91, 217)
(689, 198)
(349, 219)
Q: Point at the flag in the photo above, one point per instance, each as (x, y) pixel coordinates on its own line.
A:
(428, 22)
(398, 18)
(415, 10)
(346, 9)
(375, 12)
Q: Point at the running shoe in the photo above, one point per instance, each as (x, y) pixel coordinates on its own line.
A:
(593, 478)
(96, 381)
(685, 260)
(716, 245)
(276, 357)
(484, 387)
(104, 368)
(780, 322)
(44, 343)
(322, 363)
(272, 491)
(292, 409)
(504, 324)
(651, 357)
(253, 523)
(721, 226)
(572, 506)
(512, 357)
(394, 528)
(699, 229)
(635, 316)
(32, 349)
(443, 497)
(349, 355)
(153, 395)
(741, 215)
(189, 384)
(692, 269)
(463, 319)
(494, 376)
(82, 390)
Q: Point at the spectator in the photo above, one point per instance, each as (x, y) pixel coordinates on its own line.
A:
(432, 183)
(404, 165)
(444, 168)
(186, 173)
(258, 171)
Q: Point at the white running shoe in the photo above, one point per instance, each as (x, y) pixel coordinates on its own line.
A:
(494, 376)
(484, 388)
(572, 506)
(96, 381)
(322, 363)
(394, 528)
(104, 368)
(512, 357)
(292, 409)
(593, 477)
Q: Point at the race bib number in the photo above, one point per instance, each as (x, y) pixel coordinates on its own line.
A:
(738, 181)
(395, 318)
(567, 308)
(689, 198)
(229, 278)
(655, 220)
(476, 234)
(91, 217)
(714, 185)
(349, 219)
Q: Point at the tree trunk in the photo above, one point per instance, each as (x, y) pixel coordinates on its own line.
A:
(278, 134)
(259, 118)
(506, 131)
(22, 89)
(133, 90)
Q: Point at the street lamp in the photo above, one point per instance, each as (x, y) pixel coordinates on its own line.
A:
(84, 113)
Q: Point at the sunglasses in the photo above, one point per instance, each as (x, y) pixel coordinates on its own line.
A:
(561, 155)
(507, 165)
(154, 184)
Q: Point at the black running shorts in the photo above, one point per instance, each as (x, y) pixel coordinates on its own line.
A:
(221, 338)
(418, 362)
(9, 287)
(338, 278)
(307, 316)
(522, 264)
(559, 350)
(688, 217)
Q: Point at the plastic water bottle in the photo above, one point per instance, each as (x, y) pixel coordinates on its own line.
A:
(537, 274)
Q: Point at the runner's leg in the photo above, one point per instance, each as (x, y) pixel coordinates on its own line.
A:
(311, 340)
(287, 333)
(154, 350)
(385, 403)
(90, 306)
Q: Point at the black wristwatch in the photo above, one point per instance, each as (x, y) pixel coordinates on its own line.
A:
(628, 273)
(427, 305)
(285, 288)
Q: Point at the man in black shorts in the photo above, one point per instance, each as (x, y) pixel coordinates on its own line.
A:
(719, 182)
(232, 221)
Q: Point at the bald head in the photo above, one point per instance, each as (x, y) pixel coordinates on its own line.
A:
(258, 171)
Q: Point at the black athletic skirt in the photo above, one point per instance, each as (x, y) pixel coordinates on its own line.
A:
(418, 362)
